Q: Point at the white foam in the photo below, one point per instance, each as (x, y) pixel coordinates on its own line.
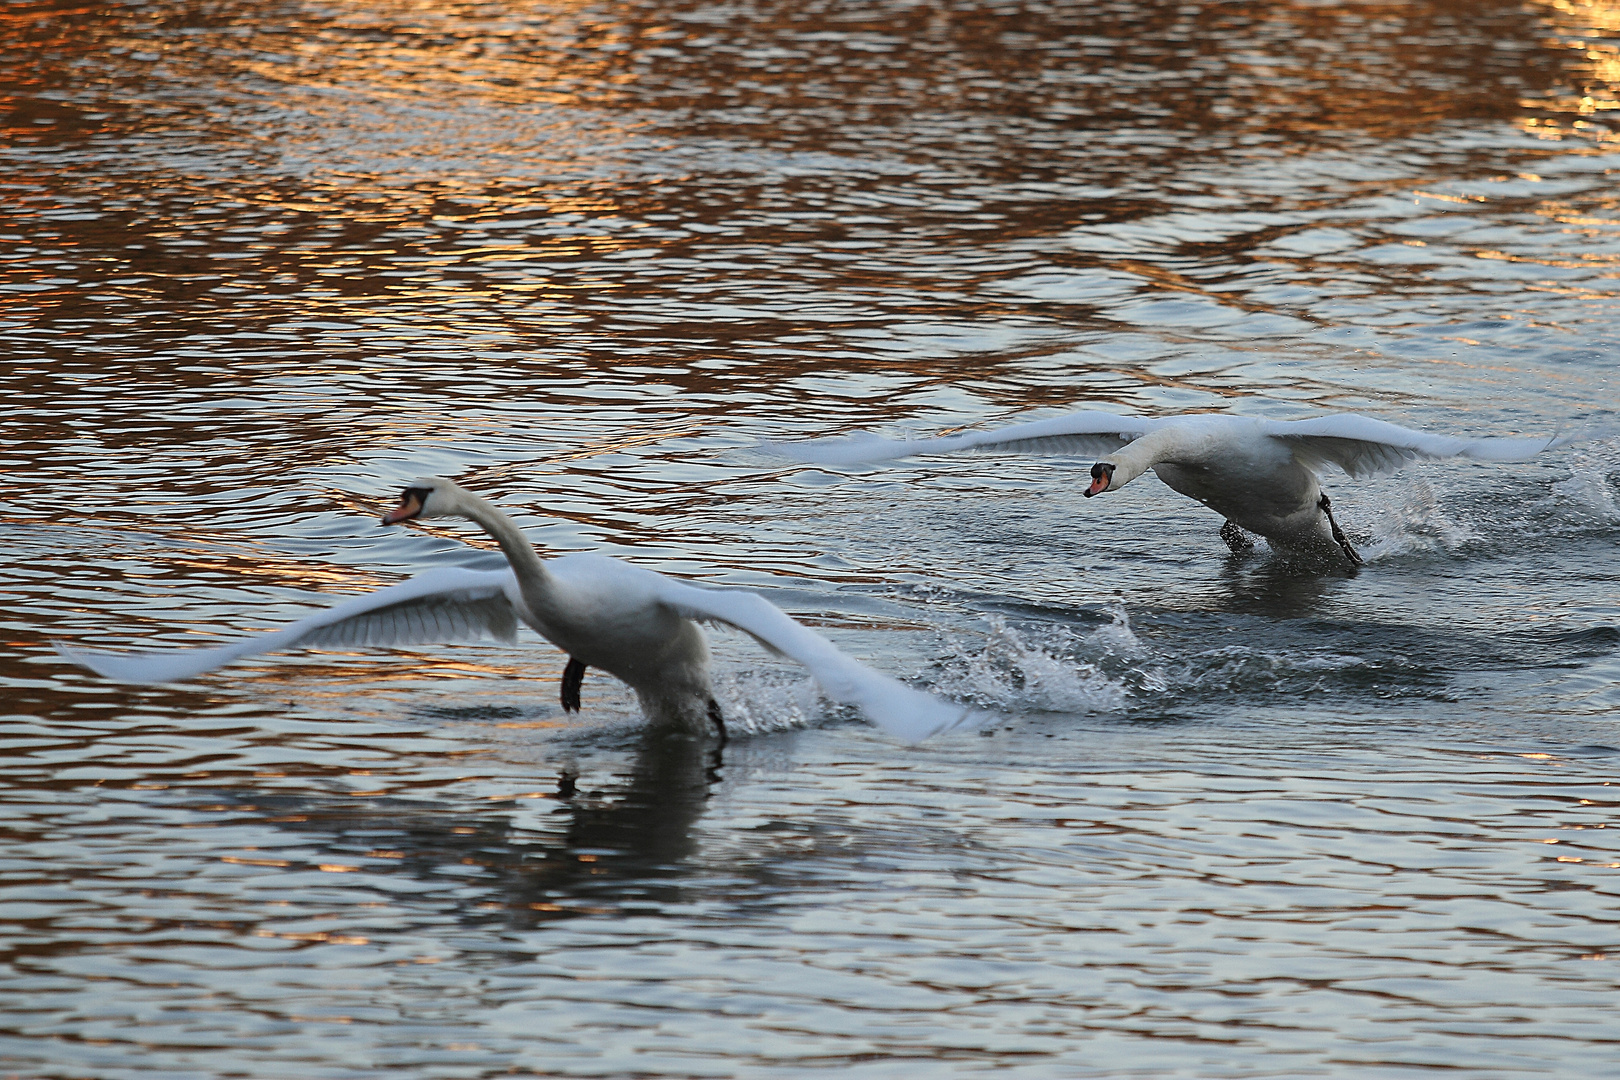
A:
(761, 702)
(1011, 670)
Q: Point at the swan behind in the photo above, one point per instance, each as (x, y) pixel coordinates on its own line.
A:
(1262, 476)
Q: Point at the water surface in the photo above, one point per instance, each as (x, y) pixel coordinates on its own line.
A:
(1237, 817)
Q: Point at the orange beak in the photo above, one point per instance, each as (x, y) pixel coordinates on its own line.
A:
(1102, 474)
(410, 504)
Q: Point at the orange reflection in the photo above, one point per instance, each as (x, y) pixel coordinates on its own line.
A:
(1593, 65)
(714, 203)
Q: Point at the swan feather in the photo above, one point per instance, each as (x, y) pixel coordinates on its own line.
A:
(1090, 433)
(890, 704)
(1364, 446)
(448, 604)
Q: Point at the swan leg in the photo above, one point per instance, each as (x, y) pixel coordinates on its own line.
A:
(1236, 539)
(719, 721)
(1338, 534)
(573, 675)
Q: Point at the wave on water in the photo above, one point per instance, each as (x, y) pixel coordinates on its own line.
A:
(1109, 669)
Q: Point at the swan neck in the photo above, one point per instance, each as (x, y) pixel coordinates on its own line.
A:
(1137, 457)
(533, 578)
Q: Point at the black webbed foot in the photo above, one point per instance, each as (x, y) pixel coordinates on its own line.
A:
(719, 721)
(1239, 541)
(573, 675)
(713, 771)
(1338, 534)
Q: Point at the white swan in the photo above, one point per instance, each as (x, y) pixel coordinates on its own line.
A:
(633, 623)
(1262, 476)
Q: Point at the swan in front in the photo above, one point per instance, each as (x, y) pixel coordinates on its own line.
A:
(1262, 476)
(633, 623)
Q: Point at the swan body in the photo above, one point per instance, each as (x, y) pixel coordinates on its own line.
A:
(633, 623)
(1262, 476)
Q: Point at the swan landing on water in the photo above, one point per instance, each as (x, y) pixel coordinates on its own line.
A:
(635, 624)
(1262, 476)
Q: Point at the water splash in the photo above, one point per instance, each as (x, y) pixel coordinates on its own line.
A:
(1117, 639)
(1108, 668)
(1593, 487)
(1417, 524)
(1043, 670)
(760, 702)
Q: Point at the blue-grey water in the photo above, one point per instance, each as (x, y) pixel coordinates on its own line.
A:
(1236, 817)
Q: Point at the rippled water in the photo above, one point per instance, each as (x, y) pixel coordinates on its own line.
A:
(1237, 818)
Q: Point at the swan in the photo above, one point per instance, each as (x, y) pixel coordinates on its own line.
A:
(633, 623)
(1262, 476)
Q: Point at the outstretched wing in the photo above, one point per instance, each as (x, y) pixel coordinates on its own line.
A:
(1092, 434)
(1363, 446)
(898, 709)
(450, 604)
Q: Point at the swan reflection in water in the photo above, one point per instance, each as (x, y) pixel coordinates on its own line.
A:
(1278, 588)
(600, 843)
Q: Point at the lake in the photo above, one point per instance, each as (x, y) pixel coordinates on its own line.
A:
(1233, 816)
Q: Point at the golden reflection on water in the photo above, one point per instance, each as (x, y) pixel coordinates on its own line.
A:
(404, 228)
(260, 259)
(1593, 84)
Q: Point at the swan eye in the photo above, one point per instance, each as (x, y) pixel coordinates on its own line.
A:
(419, 494)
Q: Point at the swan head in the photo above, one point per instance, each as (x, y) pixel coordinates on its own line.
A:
(428, 496)
(1102, 478)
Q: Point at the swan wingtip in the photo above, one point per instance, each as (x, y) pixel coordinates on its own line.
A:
(75, 653)
(85, 658)
(935, 716)
(122, 667)
(856, 448)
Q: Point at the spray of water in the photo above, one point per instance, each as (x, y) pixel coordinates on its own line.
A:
(1415, 524)
(1053, 669)
(765, 701)
(1593, 487)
